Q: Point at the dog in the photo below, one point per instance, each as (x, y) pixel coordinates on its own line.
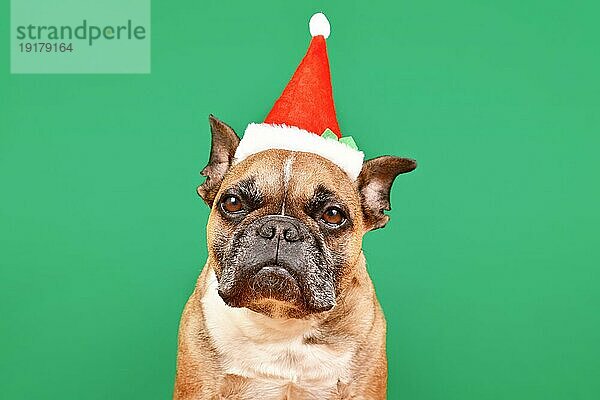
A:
(284, 307)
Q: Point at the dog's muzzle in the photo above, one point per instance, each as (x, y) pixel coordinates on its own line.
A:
(277, 258)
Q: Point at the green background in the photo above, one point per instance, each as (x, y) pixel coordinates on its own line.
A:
(488, 271)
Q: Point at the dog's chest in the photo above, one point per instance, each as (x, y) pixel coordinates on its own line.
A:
(269, 359)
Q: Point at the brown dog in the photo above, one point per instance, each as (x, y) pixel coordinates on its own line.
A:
(284, 307)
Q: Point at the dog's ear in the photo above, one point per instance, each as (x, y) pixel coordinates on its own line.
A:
(374, 184)
(223, 145)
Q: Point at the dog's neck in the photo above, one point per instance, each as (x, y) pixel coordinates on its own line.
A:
(254, 345)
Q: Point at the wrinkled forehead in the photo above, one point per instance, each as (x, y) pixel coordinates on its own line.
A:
(298, 174)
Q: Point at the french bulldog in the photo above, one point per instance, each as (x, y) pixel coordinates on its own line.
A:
(284, 307)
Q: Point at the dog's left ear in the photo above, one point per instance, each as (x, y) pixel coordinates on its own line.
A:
(223, 145)
(374, 184)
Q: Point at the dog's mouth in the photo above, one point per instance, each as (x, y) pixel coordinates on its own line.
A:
(271, 286)
(263, 282)
(275, 281)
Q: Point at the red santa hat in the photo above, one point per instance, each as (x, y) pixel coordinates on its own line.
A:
(303, 118)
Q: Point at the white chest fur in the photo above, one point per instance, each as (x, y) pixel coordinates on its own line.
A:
(269, 351)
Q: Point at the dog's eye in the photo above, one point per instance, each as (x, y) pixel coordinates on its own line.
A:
(231, 204)
(333, 216)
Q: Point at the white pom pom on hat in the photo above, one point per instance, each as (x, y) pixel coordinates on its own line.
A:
(319, 25)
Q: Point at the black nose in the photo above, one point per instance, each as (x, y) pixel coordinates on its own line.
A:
(280, 226)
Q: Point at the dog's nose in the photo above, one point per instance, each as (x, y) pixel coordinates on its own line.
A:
(280, 227)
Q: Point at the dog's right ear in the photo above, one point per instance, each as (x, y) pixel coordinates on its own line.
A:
(223, 145)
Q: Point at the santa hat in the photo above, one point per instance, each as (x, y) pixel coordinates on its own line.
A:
(303, 118)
